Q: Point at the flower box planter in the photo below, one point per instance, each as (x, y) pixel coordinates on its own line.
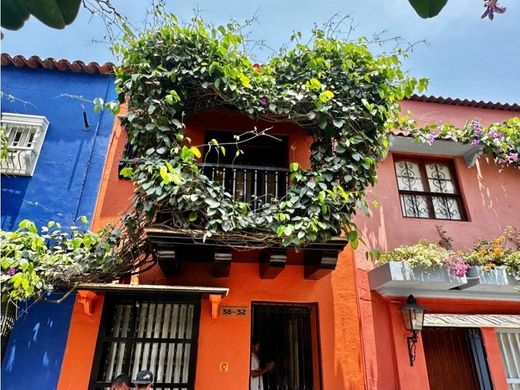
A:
(400, 279)
(396, 276)
(494, 280)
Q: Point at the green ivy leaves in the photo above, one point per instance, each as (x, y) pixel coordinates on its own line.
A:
(54, 13)
(427, 8)
(34, 261)
(338, 91)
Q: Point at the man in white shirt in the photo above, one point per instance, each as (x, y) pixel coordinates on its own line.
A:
(256, 381)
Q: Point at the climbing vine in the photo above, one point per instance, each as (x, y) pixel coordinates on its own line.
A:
(500, 141)
(35, 261)
(338, 91)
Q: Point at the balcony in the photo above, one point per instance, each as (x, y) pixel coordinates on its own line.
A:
(255, 174)
(254, 185)
(25, 136)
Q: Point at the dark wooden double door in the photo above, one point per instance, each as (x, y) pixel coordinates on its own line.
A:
(456, 359)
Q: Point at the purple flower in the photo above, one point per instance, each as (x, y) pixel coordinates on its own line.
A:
(11, 271)
(264, 101)
(477, 127)
(431, 138)
(492, 7)
(475, 142)
(496, 135)
(512, 158)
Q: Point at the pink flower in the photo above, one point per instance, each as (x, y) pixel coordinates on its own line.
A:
(264, 101)
(457, 265)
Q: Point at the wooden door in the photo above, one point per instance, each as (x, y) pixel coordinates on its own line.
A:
(455, 358)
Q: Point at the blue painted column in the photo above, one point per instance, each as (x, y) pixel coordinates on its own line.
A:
(36, 346)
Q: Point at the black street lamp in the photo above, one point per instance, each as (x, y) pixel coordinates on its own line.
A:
(413, 318)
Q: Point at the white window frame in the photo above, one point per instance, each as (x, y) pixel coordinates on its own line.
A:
(509, 342)
(25, 134)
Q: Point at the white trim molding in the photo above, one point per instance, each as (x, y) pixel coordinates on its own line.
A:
(403, 144)
(25, 136)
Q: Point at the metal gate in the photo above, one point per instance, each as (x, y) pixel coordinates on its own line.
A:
(285, 333)
(153, 334)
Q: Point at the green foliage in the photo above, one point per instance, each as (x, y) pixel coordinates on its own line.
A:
(500, 141)
(113, 107)
(427, 8)
(425, 254)
(53, 13)
(512, 262)
(34, 262)
(501, 251)
(338, 91)
(4, 144)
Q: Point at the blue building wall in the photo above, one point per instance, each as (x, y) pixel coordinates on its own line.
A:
(66, 180)
(35, 351)
(63, 187)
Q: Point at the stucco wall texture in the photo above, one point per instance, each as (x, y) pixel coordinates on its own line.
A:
(362, 338)
(490, 193)
(66, 180)
(64, 187)
(228, 339)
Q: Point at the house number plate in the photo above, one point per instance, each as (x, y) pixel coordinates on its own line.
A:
(234, 311)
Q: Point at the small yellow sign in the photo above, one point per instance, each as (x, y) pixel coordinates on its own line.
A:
(224, 367)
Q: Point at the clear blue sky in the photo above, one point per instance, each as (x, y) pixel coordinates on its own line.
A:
(467, 57)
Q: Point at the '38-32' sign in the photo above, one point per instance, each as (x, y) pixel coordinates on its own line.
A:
(234, 311)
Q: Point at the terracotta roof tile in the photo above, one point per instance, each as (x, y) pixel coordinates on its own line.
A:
(35, 62)
(467, 103)
(106, 68)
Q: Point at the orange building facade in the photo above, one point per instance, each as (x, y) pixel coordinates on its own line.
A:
(326, 298)
(339, 331)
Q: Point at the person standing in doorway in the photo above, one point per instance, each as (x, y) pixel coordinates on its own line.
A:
(121, 382)
(256, 380)
(144, 380)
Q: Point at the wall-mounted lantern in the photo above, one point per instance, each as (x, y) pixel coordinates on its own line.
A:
(413, 318)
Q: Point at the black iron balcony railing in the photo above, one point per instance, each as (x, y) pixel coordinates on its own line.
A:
(254, 185)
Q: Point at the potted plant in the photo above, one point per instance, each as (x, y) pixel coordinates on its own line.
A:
(496, 262)
(423, 264)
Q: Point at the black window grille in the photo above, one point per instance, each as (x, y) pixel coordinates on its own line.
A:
(128, 159)
(145, 333)
(254, 185)
(285, 332)
(428, 189)
(7, 319)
